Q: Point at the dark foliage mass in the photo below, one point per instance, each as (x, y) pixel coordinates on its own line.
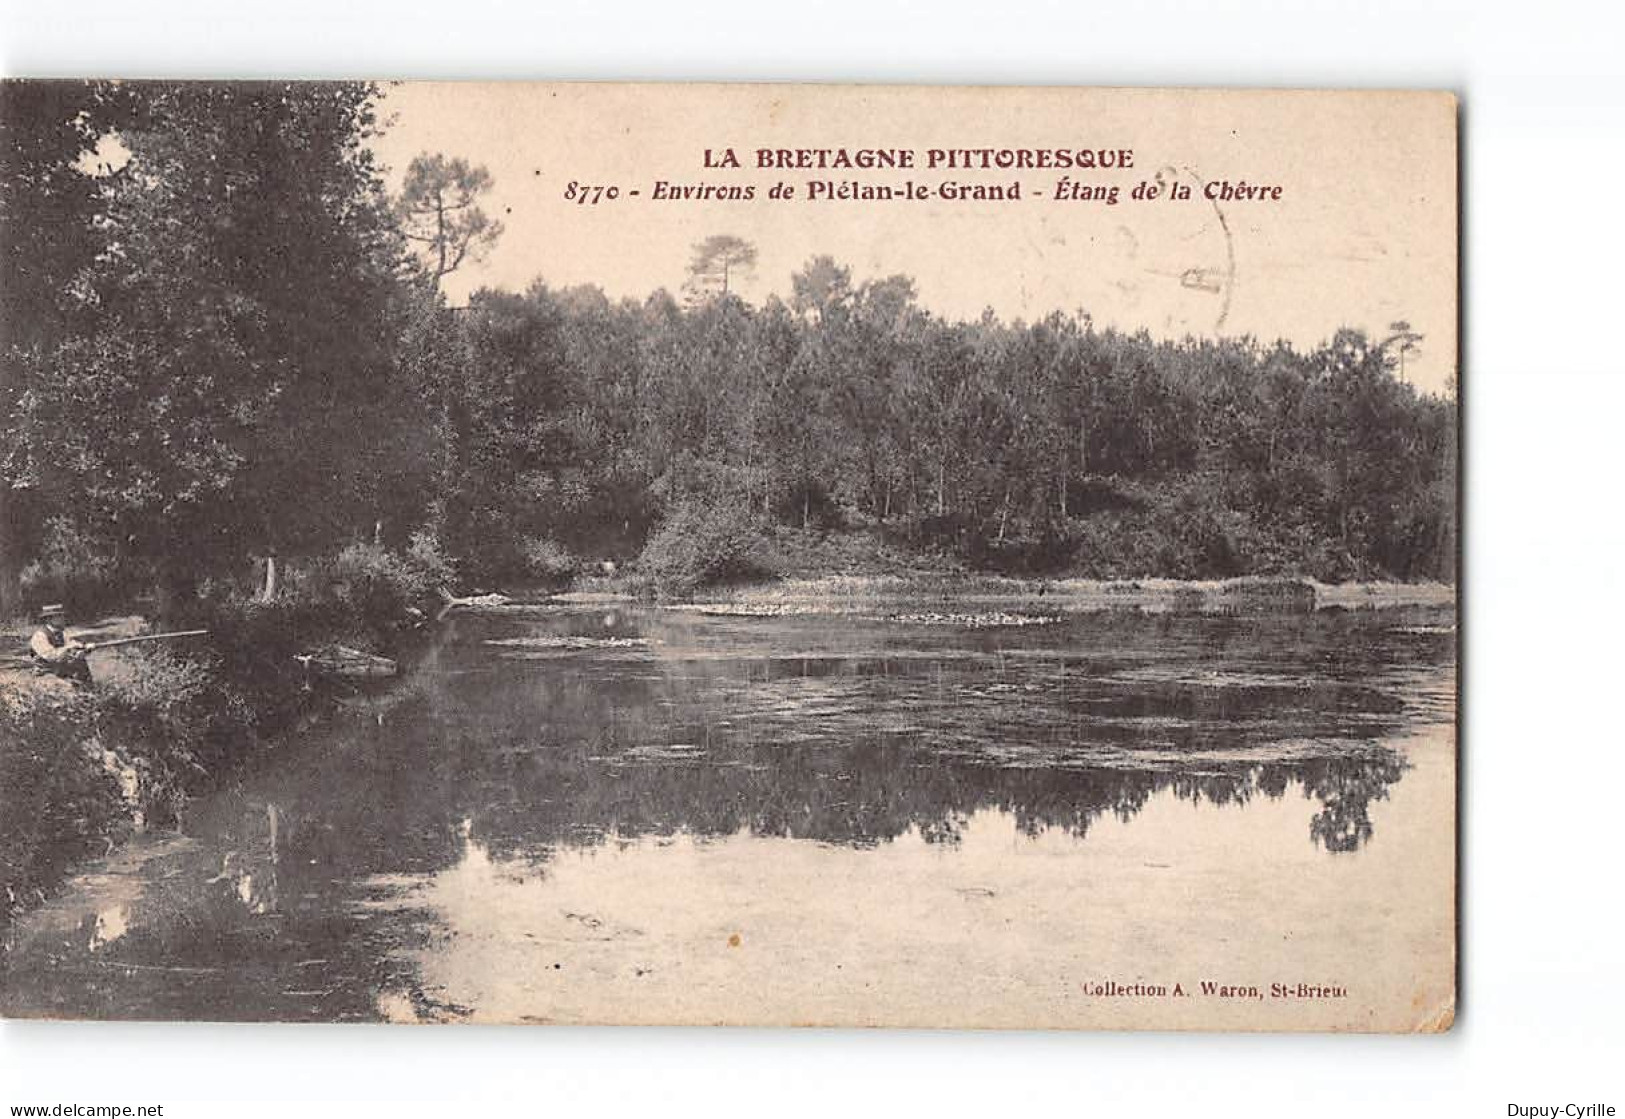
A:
(220, 374)
(1022, 447)
(225, 341)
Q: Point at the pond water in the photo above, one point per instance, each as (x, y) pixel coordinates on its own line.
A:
(616, 814)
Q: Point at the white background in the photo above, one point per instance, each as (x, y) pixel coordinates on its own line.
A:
(1544, 783)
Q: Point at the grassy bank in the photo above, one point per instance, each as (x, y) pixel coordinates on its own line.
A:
(82, 768)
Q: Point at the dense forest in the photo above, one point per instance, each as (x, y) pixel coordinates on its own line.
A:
(225, 339)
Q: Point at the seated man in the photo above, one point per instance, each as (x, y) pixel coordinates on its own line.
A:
(54, 651)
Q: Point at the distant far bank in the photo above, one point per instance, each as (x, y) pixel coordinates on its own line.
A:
(772, 564)
(979, 595)
(971, 599)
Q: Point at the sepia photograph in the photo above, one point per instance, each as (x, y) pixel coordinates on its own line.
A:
(929, 557)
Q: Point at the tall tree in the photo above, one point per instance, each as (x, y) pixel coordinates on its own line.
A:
(716, 261)
(49, 202)
(236, 384)
(440, 213)
(1404, 340)
(821, 287)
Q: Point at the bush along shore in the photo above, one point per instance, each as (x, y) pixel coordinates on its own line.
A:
(84, 768)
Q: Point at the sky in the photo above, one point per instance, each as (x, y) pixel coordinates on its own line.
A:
(1364, 233)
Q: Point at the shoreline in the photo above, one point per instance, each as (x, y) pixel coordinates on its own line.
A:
(844, 594)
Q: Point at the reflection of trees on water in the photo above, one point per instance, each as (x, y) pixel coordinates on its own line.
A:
(851, 752)
(867, 795)
(1345, 794)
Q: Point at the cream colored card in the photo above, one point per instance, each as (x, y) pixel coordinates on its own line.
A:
(735, 554)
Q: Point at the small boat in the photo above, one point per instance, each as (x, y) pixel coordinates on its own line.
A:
(343, 662)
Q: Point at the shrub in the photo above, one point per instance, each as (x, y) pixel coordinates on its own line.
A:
(252, 645)
(698, 544)
(377, 585)
(58, 805)
(74, 568)
(548, 560)
(427, 564)
(174, 722)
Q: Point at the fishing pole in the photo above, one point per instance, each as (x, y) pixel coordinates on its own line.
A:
(92, 646)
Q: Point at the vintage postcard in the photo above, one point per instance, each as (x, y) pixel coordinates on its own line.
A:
(756, 555)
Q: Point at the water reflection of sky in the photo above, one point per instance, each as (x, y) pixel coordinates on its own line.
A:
(996, 928)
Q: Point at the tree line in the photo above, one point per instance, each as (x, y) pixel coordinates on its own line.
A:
(224, 338)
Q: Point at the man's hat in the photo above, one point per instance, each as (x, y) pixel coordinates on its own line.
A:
(52, 610)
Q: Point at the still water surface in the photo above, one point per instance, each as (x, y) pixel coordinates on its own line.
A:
(568, 815)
